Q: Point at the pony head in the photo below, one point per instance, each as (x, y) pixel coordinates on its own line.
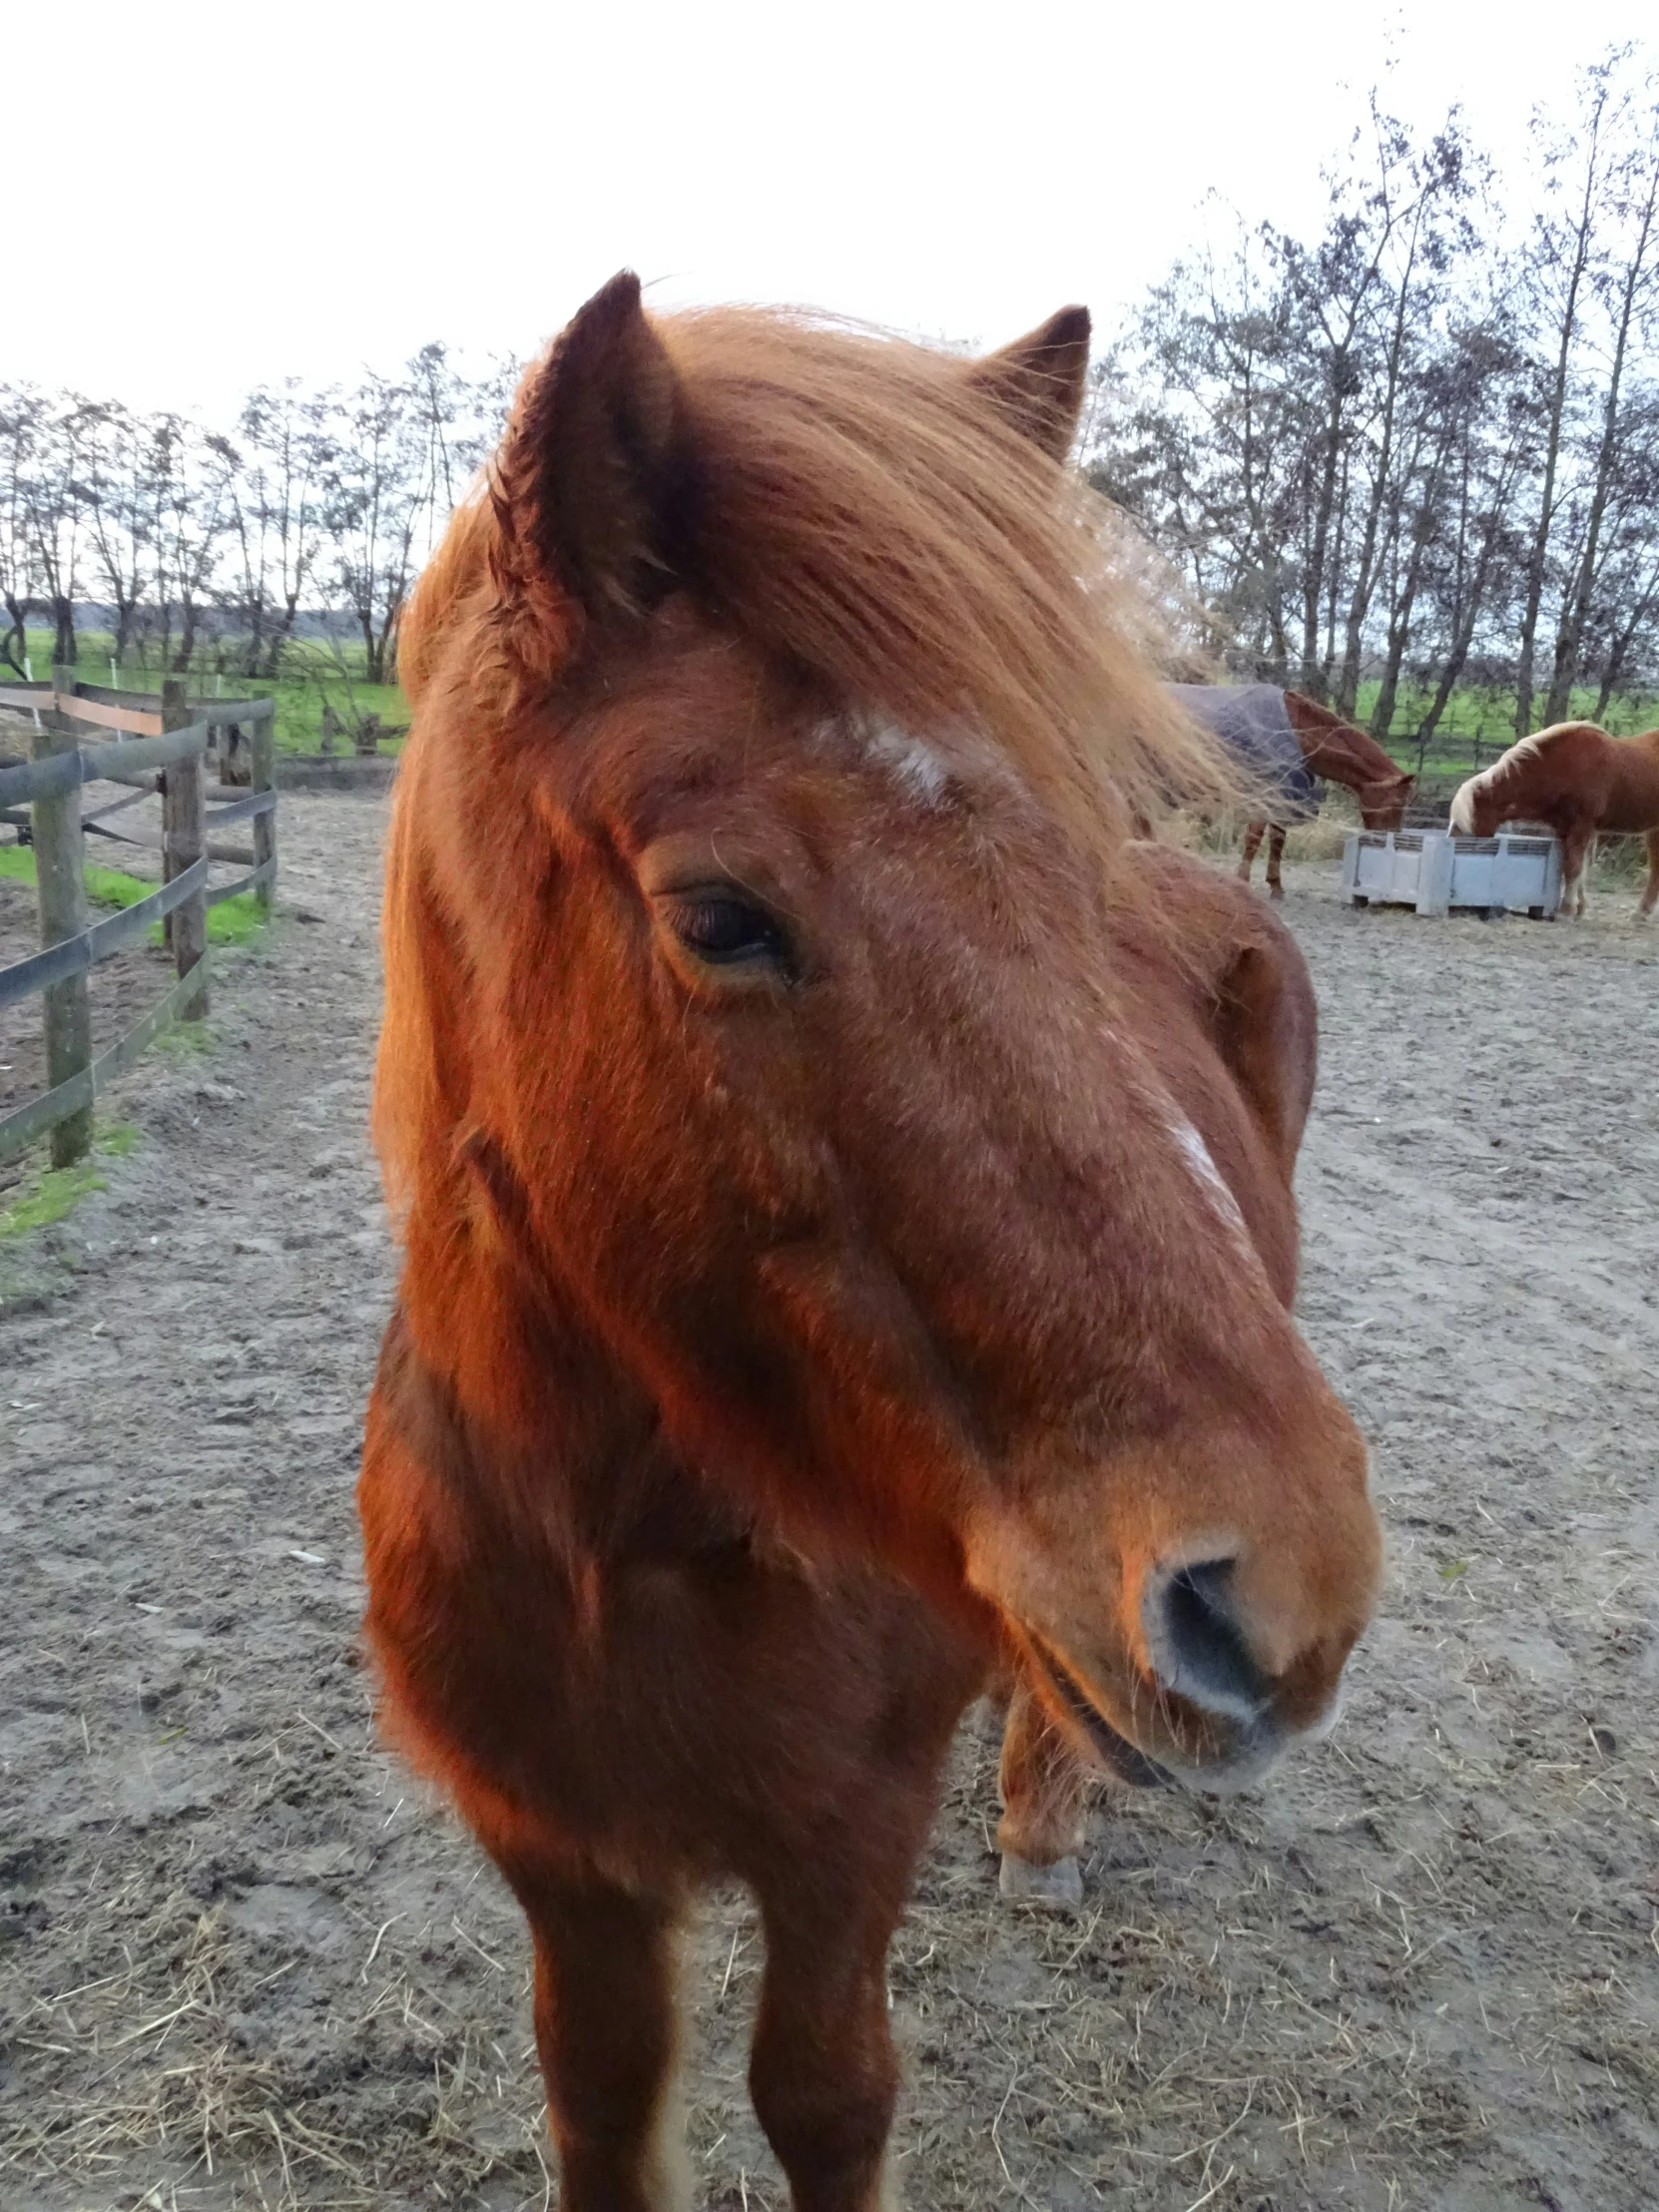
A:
(782, 1059)
(1383, 803)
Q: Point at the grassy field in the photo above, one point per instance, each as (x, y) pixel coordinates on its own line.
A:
(1478, 724)
(318, 674)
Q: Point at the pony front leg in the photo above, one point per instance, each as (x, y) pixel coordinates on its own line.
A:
(1254, 834)
(1042, 1786)
(1578, 848)
(822, 2071)
(607, 2034)
(1650, 896)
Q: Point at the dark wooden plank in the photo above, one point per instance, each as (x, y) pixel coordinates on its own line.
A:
(240, 810)
(115, 764)
(24, 1124)
(61, 888)
(265, 824)
(184, 834)
(221, 710)
(252, 881)
(74, 955)
(40, 779)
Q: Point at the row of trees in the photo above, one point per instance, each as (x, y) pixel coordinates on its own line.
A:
(317, 502)
(1419, 447)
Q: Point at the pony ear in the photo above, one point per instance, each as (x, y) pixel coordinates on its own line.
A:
(593, 477)
(1038, 381)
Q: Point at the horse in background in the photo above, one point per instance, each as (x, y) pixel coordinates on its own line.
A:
(841, 1192)
(1284, 740)
(1577, 781)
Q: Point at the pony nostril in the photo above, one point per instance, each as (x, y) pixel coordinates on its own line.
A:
(1197, 1648)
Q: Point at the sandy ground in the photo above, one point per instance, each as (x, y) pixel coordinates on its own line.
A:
(243, 1962)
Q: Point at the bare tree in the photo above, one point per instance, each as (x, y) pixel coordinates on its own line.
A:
(373, 511)
(54, 506)
(277, 502)
(1343, 291)
(404, 451)
(1627, 283)
(120, 485)
(21, 409)
(191, 471)
(1201, 433)
(1565, 242)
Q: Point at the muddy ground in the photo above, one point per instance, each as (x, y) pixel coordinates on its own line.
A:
(245, 1963)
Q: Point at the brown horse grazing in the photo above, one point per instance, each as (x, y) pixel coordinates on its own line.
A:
(1577, 781)
(840, 1247)
(1246, 986)
(1340, 754)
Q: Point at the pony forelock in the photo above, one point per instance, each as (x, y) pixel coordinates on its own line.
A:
(868, 515)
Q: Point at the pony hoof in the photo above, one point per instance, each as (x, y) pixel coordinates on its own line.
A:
(1059, 1887)
(1276, 890)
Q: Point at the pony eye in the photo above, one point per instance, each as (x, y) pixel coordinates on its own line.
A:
(722, 929)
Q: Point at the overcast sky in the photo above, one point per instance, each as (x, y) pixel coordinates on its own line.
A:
(222, 194)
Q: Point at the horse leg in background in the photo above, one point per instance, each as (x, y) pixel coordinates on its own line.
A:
(1650, 896)
(1576, 848)
(607, 2035)
(1276, 854)
(1253, 831)
(1042, 1786)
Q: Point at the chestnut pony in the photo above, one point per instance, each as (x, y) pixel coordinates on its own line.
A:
(1577, 781)
(1334, 749)
(839, 1241)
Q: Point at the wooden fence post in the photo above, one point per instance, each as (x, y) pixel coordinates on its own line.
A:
(261, 733)
(60, 876)
(184, 832)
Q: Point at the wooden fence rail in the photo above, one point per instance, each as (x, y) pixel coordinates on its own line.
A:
(160, 750)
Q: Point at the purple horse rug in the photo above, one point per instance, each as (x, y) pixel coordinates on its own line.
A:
(1253, 725)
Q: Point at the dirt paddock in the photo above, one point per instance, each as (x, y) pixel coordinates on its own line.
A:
(243, 1961)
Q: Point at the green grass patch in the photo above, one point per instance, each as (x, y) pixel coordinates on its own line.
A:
(51, 1193)
(236, 920)
(183, 1040)
(232, 921)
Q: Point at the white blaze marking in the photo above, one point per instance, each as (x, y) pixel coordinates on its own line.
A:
(1205, 1172)
(916, 765)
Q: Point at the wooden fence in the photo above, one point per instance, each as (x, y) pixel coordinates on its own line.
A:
(160, 747)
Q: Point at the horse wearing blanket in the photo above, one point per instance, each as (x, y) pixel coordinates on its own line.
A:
(1282, 740)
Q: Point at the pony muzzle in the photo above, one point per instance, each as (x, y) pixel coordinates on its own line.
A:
(1200, 1666)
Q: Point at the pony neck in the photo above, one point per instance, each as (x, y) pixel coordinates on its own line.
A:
(504, 1382)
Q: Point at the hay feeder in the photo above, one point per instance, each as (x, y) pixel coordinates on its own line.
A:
(1439, 874)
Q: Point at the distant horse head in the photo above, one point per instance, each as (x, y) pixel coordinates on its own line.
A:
(754, 1003)
(1339, 751)
(1383, 803)
(1525, 778)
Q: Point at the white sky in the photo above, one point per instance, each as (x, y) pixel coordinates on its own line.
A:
(226, 193)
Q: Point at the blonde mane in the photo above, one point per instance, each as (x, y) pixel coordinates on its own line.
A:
(1507, 763)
